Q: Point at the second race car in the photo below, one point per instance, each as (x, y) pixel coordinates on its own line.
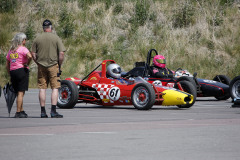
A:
(218, 87)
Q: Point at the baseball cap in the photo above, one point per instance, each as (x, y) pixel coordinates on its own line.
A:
(47, 22)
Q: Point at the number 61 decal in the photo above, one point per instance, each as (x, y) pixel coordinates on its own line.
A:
(114, 93)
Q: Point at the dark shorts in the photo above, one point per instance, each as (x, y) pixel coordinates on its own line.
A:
(20, 79)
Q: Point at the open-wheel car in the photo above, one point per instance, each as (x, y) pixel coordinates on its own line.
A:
(183, 80)
(101, 88)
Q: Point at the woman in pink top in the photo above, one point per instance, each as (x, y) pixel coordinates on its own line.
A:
(18, 59)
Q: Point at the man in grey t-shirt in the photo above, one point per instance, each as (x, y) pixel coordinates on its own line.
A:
(48, 52)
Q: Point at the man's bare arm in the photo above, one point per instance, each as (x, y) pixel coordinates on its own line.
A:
(34, 57)
(61, 58)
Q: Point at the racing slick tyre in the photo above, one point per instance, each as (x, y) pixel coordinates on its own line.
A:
(190, 79)
(143, 96)
(225, 80)
(189, 88)
(234, 88)
(67, 94)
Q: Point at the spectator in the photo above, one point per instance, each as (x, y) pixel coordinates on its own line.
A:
(18, 59)
(48, 52)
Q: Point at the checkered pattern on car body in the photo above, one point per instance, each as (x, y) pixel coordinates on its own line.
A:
(102, 90)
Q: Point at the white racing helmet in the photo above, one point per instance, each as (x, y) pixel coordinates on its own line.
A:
(114, 70)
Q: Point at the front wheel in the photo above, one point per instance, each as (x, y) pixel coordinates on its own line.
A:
(143, 96)
(234, 88)
(189, 88)
(67, 94)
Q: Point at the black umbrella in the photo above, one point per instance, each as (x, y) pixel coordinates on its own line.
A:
(10, 96)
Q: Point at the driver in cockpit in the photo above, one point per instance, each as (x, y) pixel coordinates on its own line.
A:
(114, 72)
(159, 67)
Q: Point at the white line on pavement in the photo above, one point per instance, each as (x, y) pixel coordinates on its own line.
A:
(100, 132)
(26, 134)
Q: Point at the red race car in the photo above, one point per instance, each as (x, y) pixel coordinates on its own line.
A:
(106, 87)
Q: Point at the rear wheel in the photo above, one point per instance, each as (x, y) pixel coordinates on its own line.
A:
(190, 79)
(189, 88)
(225, 80)
(143, 96)
(67, 94)
(234, 88)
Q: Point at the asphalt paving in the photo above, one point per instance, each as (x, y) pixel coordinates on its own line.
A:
(209, 130)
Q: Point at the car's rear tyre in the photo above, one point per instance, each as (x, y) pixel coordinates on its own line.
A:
(189, 88)
(143, 96)
(67, 94)
(234, 88)
(190, 79)
(225, 80)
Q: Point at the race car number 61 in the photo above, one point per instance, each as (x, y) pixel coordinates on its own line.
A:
(114, 93)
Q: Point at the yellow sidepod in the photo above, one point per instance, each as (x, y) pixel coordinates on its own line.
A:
(176, 97)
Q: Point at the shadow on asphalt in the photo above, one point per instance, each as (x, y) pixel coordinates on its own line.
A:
(213, 100)
(129, 108)
(21, 118)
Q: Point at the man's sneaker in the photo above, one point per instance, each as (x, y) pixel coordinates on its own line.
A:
(24, 113)
(44, 115)
(56, 115)
(20, 115)
(17, 115)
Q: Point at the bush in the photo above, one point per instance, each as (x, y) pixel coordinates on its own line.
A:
(140, 16)
(108, 3)
(226, 2)
(104, 50)
(85, 3)
(98, 12)
(30, 33)
(208, 43)
(4, 38)
(184, 16)
(118, 9)
(141, 12)
(66, 25)
(216, 20)
(2, 59)
(153, 17)
(7, 6)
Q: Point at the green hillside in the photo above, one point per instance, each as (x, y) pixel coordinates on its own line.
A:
(201, 36)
